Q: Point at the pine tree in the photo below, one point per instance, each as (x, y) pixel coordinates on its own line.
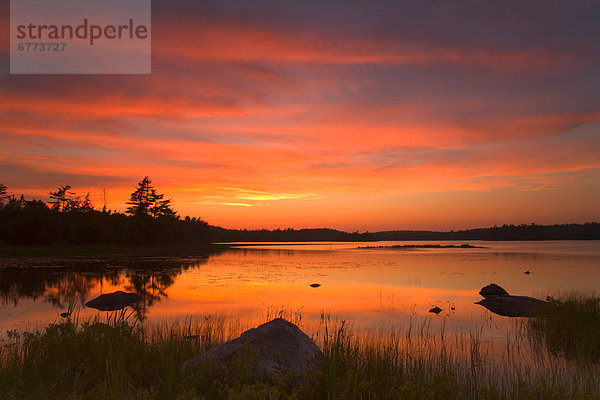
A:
(145, 201)
(61, 198)
(3, 193)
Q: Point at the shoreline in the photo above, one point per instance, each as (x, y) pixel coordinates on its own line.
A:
(7, 252)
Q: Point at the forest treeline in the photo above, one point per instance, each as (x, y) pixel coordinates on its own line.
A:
(286, 235)
(588, 231)
(71, 219)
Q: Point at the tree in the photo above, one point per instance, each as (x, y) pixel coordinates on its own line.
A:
(145, 201)
(62, 199)
(3, 193)
(85, 204)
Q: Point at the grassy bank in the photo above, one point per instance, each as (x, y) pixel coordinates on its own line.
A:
(569, 327)
(93, 360)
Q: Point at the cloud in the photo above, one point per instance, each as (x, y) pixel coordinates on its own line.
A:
(247, 43)
(237, 204)
(280, 103)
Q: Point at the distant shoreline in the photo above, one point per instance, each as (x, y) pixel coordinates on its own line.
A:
(166, 250)
(532, 232)
(217, 239)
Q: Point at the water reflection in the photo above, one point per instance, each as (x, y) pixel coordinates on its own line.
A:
(56, 286)
(152, 286)
(71, 286)
(364, 286)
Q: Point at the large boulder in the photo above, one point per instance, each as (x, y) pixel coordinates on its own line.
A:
(274, 347)
(492, 290)
(114, 301)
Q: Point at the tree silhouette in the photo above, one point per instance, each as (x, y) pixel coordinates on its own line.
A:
(62, 199)
(3, 193)
(85, 204)
(69, 219)
(145, 201)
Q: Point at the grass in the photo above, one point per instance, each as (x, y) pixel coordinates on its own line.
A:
(569, 327)
(129, 360)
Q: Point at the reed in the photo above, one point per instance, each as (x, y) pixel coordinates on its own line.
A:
(94, 360)
(569, 327)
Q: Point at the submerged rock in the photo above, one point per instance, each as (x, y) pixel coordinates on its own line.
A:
(315, 285)
(273, 348)
(513, 306)
(114, 301)
(493, 290)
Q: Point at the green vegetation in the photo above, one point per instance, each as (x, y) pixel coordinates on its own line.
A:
(94, 360)
(569, 327)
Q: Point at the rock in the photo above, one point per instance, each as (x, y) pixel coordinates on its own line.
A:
(65, 314)
(114, 301)
(498, 301)
(492, 290)
(435, 310)
(512, 306)
(274, 347)
(315, 285)
(527, 272)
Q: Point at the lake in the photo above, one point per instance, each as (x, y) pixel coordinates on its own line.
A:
(384, 287)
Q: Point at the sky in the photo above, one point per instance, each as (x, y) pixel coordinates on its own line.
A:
(355, 115)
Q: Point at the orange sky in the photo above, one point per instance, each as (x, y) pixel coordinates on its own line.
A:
(343, 115)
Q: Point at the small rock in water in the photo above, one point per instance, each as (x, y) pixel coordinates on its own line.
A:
(114, 301)
(435, 310)
(527, 272)
(315, 285)
(65, 314)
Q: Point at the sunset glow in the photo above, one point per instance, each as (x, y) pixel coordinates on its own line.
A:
(344, 115)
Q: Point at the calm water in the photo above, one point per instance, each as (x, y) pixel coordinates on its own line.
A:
(386, 287)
